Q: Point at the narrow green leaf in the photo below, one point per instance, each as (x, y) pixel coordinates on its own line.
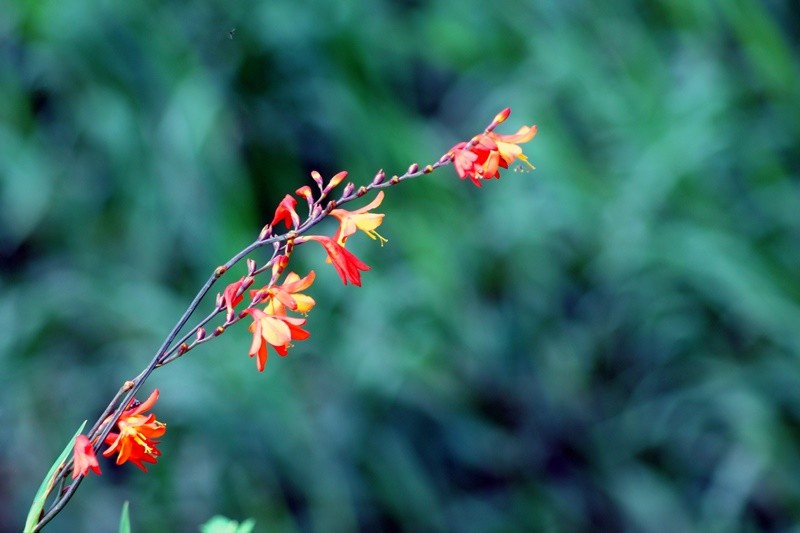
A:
(125, 519)
(47, 484)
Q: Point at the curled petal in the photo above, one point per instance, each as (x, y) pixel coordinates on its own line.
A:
(144, 406)
(523, 135)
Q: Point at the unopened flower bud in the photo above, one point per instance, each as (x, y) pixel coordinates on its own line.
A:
(201, 334)
(251, 266)
(361, 191)
(379, 177)
(257, 296)
(266, 231)
(335, 181)
(413, 168)
(317, 178)
(279, 265)
(502, 116)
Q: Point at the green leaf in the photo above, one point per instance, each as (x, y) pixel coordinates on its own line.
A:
(220, 524)
(47, 484)
(125, 519)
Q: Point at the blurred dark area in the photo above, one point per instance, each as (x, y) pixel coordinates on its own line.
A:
(608, 343)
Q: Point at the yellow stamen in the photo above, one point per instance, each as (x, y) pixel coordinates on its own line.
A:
(375, 235)
(524, 158)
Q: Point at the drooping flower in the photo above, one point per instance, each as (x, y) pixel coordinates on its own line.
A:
(347, 265)
(277, 331)
(134, 442)
(286, 212)
(84, 458)
(360, 219)
(287, 295)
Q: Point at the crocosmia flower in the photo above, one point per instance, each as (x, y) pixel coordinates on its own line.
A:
(277, 331)
(287, 295)
(134, 442)
(360, 219)
(347, 265)
(84, 458)
(507, 146)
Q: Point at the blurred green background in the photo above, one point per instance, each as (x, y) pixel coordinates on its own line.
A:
(611, 342)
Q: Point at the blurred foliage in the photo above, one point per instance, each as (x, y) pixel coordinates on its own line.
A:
(220, 524)
(610, 342)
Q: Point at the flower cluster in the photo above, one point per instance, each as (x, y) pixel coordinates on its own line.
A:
(274, 308)
(134, 442)
(272, 325)
(279, 307)
(482, 157)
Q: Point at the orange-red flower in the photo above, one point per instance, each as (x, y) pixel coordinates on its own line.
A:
(84, 457)
(134, 442)
(482, 158)
(288, 295)
(360, 219)
(347, 265)
(286, 213)
(276, 330)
